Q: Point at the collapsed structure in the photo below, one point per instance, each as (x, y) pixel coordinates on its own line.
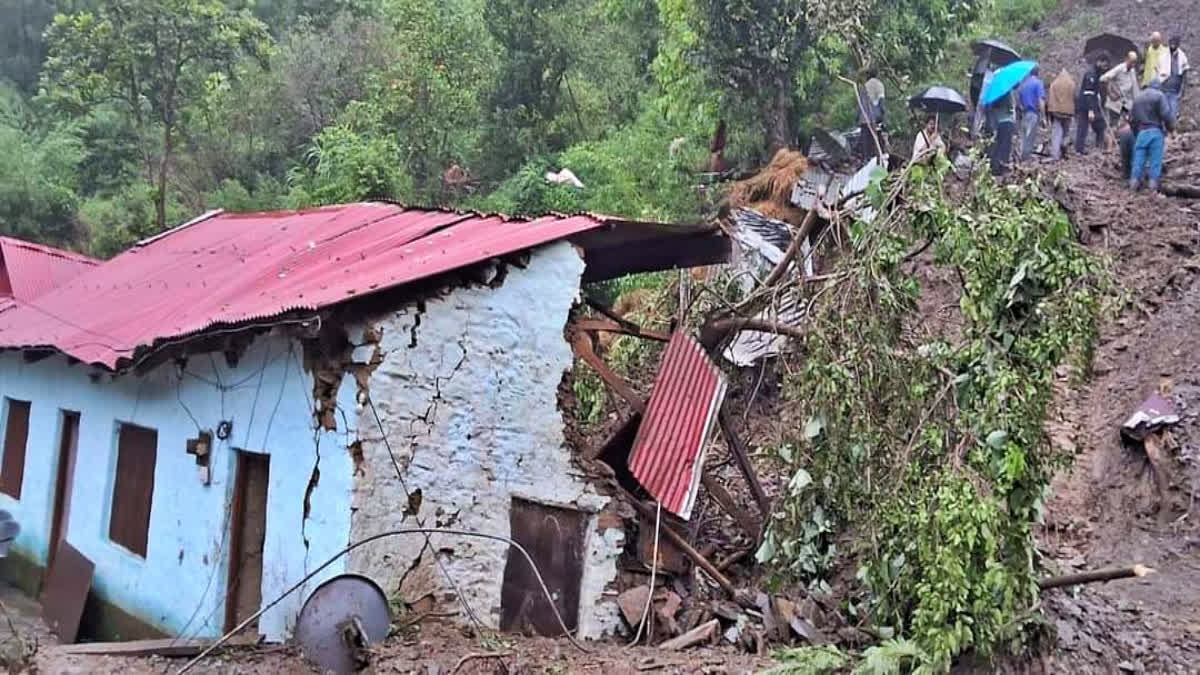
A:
(216, 412)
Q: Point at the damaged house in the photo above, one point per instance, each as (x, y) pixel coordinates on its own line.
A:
(219, 410)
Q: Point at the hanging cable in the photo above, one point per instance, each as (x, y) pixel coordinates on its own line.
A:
(383, 535)
(653, 570)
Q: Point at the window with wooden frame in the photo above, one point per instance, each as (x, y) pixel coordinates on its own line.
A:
(133, 489)
(16, 433)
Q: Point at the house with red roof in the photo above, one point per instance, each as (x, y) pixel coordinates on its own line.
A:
(212, 415)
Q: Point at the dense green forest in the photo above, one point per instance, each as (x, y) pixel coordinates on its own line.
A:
(120, 118)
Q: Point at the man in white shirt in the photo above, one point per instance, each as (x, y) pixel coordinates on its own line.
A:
(1176, 78)
(929, 143)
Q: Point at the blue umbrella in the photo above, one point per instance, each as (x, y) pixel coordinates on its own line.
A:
(1006, 79)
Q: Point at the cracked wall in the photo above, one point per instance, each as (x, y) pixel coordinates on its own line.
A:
(465, 386)
(180, 585)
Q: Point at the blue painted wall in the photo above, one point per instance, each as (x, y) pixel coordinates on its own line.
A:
(180, 585)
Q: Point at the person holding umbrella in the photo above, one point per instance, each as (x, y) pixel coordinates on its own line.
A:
(935, 101)
(998, 96)
(1089, 106)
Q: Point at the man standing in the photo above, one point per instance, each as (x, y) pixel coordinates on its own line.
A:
(870, 115)
(1176, 77)
(1152, 119)
(1033, 111)
(1157, 68)
(1002, 115)
(1089, 106)
(1061, 106)
(1123, 87)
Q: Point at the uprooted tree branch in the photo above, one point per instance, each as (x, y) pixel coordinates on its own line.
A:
(921, 434)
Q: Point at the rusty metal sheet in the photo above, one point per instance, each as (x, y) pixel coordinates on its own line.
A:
(226, 269)
(32, 270)
(67, 589)
(555, 539)
(668, 453)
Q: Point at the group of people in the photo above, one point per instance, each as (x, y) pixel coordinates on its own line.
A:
(1142, 103)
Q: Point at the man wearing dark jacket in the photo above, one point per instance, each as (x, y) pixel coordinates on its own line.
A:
(1152, 119)
(1089, 106)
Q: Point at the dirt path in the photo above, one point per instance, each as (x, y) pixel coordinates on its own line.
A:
(1105, 509)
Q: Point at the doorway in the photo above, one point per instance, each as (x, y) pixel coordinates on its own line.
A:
(68, 446)
(554, 538)
(248, 531)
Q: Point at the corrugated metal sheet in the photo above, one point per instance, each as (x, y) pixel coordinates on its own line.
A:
(226, 269)
(32, 270)
(668, 452)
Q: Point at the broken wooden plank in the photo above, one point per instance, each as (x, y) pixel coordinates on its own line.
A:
(581, 344)
(611, 326)
(161, 647)
(718, 492)
(700, 634)
(742, 457)
(1092, 576)
(718, 576)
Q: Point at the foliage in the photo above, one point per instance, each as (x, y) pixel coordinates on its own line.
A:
(345, 166)
(929, 437)
(38, 175)
(154, 57)
(821, 660)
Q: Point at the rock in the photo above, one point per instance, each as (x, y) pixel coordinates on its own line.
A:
(632, 603)
(726, 610)
(666, 606)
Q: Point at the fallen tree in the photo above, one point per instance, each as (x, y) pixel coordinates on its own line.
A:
(918, 437)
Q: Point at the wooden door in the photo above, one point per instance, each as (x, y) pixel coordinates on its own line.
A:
(249, 529)
(68, 445)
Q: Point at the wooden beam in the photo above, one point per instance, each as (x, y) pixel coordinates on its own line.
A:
(742, 457)
(581, 344)
(626, 328)
(649, 515)
(752, 526)
(1096, 575)
(163, 647)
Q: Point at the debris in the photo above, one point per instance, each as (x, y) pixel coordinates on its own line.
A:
(161, 647)
(1093, 576)
(9, 529)
(726, 610)
(669, 449)
(66, 591)
(702, 633)
(481, 655)
(750, 526)
(670, 558)
(722, 580)
(564, 177)
(632, 602)
(738, 449)
(1155, 413)
(339, 622)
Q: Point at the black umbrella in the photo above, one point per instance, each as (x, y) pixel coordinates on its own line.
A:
(998, 52)
(1114, 45)
(939, 99)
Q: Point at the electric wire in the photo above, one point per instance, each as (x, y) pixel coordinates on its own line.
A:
(653, 570)
(375, 537)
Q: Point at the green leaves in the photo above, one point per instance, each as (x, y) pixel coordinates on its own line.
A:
(924, 438)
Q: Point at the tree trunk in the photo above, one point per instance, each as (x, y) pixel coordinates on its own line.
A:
(160, 199)
(779, 133)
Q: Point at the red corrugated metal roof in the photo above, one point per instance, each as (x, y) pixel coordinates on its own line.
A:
(668, 452)
(31, 270)
(228, 268)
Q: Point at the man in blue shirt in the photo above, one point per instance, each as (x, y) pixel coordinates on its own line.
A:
(1033, 111)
